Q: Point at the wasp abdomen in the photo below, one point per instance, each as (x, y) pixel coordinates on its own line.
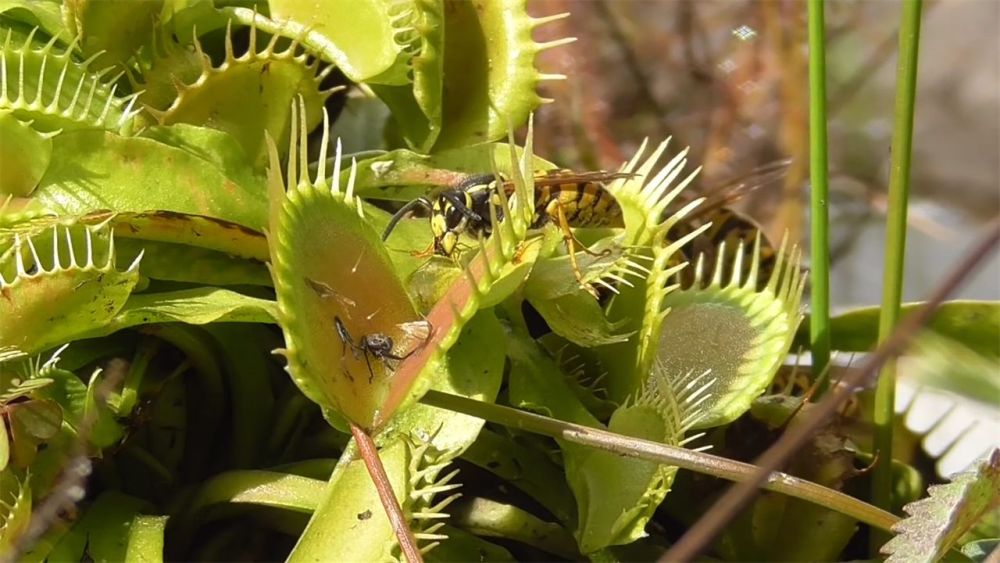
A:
(584, 204)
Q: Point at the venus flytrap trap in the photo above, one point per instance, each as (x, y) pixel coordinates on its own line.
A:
(48, 86)
(62, 291)
(757, 326)
(15, 509)
(246, 95)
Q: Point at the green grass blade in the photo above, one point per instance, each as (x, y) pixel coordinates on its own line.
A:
(895, 247)
(819, 319)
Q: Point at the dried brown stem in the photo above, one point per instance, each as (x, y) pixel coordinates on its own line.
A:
(369, 454)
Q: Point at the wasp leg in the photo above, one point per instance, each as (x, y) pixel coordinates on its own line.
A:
(425, 253)
(564, 226)
(571, 243)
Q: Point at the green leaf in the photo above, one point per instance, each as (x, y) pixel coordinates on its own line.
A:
(936, 523)
(980, 550)
(416, 107)
(104, 429)
(111, 31)
(24, 156)
(976, 324)
(617, 496)
(349, 507)
(246, 358)
(103, 530)
(248, 95)
(489, 518)
(198, 306)
(197, 231)
(943, 363)
(45, 15)
(49, 88)
(31, 423)
(510, 460)
(570, 311)
(190, 264)
(15, 507)
(262, 488)
(4, 450)
(461, 547)
(94, 170)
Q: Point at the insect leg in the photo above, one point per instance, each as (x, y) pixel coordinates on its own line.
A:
(425, 253)
(563, 222)
(571, 241)
(345, 337)
(368, 362)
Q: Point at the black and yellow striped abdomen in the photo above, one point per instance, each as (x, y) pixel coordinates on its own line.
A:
(584, 204)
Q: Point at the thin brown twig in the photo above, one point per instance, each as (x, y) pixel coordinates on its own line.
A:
(994, 556)
(730, 503)
(369, 454)
(71, 487)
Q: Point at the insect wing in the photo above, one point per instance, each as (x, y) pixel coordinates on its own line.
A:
(726, 193)
(415, 334)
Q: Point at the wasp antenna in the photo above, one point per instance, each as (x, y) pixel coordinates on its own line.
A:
(403, 212)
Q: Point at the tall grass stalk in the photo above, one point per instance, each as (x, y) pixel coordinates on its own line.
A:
(819, 256)
(895, 248)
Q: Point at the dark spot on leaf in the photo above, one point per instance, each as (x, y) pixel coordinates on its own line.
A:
(493, 464)
(364, 515)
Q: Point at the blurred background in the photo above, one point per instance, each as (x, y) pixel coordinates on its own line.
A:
(729, 79)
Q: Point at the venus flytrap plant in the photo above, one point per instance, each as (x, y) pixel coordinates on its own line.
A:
(175, 174)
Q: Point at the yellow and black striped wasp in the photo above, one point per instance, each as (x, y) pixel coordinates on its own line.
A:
(563, 197)
(580, 199)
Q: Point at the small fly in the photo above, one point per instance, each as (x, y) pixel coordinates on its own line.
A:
(381, 346)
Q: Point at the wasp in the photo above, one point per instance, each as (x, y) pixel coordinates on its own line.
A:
(379, 345)
(564, 197)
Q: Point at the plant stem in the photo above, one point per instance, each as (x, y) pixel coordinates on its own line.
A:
(662, 453)
(369, 454)
(895, 248)
(819, 317)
